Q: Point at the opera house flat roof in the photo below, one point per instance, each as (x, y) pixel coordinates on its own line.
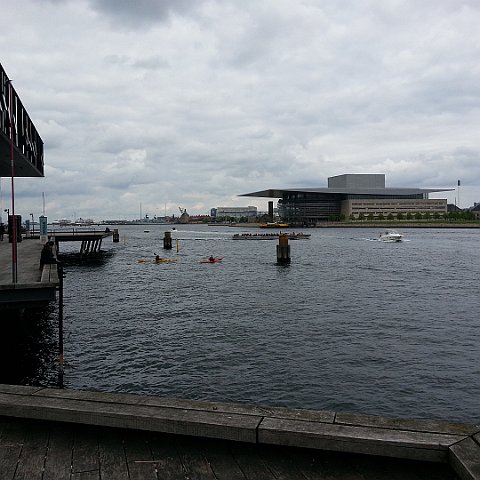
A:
(278, 192)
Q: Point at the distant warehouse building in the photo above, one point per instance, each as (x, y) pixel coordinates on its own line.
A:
(234, 212)
(351, 196)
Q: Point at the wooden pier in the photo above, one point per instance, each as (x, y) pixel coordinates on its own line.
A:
(79, 434)
(91, 240)
(33, 284)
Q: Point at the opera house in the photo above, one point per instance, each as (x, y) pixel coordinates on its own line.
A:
(350, 196)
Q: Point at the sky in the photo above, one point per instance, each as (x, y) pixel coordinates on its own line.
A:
(145, 106)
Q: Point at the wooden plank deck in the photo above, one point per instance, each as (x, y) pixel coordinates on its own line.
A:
(265, 429)
(28, 261)
(34, 449)
(33, 284)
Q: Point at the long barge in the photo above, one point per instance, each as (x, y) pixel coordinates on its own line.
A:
(271, 236)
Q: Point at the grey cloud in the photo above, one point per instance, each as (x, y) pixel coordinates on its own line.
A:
(191, 103)
(125, 13)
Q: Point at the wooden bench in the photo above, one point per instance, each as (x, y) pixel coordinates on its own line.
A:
(49, 274)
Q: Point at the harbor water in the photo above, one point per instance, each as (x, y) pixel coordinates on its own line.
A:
(352, 324)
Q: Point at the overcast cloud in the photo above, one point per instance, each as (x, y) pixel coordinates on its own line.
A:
(191, 103)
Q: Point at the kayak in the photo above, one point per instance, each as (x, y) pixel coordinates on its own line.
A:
(215, 260)
(162, 260)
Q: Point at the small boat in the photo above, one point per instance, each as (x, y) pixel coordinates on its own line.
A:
(146, 231)
(211, 260)
(390, 236)
(274, 225)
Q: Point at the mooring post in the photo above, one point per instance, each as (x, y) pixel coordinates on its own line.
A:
(167, 241)
(116, 236)
(283, 250)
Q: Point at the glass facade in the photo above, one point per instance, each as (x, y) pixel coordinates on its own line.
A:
(308, 208)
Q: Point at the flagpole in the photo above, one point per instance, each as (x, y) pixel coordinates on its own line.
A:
(12, 164)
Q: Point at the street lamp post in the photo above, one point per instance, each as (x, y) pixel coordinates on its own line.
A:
(33, 225)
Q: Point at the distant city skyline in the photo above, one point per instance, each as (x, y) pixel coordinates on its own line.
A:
(192, 103)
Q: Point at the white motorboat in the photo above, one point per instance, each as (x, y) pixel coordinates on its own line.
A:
(390, 236)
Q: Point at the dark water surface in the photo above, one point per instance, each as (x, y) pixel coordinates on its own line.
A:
(352, 324)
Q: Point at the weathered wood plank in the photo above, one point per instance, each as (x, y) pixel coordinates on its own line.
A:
(422, 440)
(321, 465)
(383, 468)
(28, 255)
(167, 458)
(18, 389)
(58, 463)
(112, 458)
(32, 456)
(92, 475)
(432, 426)
(280, 463)
(465, 459)
(13, 432)
(167, 420)
(9, 455)
(45, 278)
(373, 441)
(250, 462)
(201, 405)
(85, 456)
(194, 462)
(139, 457)
(221, 460)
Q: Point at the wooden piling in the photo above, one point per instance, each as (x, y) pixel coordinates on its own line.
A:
(167, 241)
(283, 250)
(116, 236)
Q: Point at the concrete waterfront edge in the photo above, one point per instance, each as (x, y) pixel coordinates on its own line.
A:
(437, 441)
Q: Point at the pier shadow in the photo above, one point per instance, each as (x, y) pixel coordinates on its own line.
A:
(29, 346)
(100, 258)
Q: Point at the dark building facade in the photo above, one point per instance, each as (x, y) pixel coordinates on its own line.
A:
(27, 144)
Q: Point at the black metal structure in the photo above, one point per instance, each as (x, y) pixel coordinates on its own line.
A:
(27, 144)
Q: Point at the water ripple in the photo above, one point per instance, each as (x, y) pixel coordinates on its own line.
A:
(350, 325)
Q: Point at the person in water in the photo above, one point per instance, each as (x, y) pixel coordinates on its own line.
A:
(211, 259)
(157, 259)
